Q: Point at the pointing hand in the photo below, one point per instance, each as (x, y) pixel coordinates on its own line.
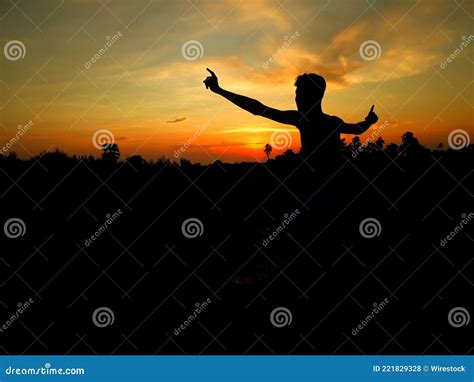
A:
(211, 81)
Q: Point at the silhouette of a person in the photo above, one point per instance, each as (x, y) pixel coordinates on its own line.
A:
(320, 132)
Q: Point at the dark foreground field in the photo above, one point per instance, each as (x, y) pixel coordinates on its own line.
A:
(339, 283)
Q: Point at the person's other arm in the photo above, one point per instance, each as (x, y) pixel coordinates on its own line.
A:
(359, 127)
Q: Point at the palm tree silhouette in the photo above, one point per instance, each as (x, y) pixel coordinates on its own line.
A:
(268, 150)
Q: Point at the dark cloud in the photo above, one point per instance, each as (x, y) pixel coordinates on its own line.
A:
(177, 120)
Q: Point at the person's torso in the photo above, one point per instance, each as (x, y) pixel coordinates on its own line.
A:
(320, 136)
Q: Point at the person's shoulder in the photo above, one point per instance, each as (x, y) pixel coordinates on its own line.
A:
(334, 120)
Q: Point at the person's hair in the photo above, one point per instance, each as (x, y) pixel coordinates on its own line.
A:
(311, 83)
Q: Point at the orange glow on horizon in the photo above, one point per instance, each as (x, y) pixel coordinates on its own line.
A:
(149, 94)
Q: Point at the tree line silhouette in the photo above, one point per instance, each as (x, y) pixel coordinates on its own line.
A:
(319, 266)
(410, 147)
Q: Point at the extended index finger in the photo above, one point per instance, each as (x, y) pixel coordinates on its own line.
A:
(210, 71)
(372, 108)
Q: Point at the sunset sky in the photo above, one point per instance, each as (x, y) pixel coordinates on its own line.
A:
(151, 97)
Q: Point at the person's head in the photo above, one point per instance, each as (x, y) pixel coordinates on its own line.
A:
(309, 91)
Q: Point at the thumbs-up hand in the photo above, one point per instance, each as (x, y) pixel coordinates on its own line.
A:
(371, 117)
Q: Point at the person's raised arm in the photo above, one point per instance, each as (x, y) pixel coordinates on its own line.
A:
(251, 105)
(359, 127)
